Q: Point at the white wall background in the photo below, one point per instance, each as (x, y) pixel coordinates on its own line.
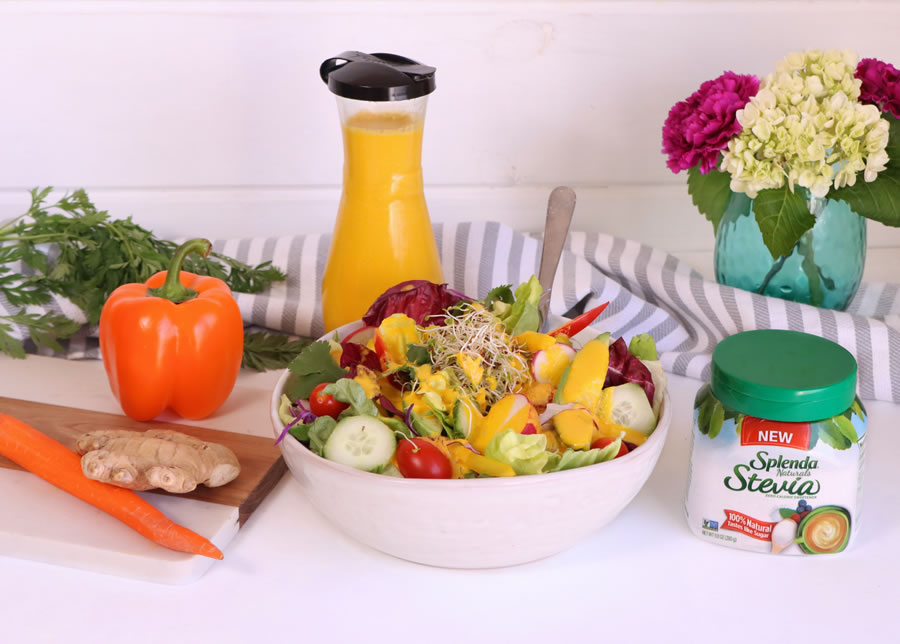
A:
(210, 118)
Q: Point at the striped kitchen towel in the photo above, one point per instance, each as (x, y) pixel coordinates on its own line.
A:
(649, 290)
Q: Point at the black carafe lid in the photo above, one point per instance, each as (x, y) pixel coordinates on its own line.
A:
(377, 77)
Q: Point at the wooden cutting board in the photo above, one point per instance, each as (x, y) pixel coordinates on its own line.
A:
(38, 521)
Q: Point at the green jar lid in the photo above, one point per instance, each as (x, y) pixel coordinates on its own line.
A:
(783, 375)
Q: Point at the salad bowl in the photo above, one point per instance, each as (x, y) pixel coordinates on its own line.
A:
(470, 523)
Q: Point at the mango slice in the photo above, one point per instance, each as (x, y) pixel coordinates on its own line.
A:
(575, 427)
(510, 412)
(583, 380)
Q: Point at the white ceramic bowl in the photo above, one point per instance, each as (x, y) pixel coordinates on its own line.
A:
(470, 523)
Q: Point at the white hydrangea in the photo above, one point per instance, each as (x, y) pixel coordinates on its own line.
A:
(807, 127)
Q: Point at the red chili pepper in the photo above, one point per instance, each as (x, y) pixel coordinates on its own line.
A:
(571, 328)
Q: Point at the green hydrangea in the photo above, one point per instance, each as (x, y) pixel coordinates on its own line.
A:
(807, 127)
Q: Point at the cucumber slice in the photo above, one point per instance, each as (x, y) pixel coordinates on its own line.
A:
(659, 382)
(363, 442)
(630, 408)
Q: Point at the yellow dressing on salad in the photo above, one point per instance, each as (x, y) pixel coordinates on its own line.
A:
(533, 341)
(396, 333)
(368, 379)
(610, 429)
(471, 366)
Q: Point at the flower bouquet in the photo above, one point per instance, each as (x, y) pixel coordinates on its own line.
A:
(819, 134)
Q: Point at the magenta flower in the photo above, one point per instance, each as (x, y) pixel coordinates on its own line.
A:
(699, 128)
(880, 85)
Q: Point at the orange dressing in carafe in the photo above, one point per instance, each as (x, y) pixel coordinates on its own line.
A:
(383, 233)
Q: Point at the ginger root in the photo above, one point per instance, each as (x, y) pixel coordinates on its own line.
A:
(156, 458)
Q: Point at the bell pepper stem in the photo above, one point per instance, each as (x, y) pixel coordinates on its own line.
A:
(172, 289)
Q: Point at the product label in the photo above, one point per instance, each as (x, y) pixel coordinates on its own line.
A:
(758, 431)
(740, 522)
(769, 486)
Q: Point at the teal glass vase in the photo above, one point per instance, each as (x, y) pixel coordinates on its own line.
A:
(824, 268)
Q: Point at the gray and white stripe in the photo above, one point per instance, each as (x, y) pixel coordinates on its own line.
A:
(649, 291)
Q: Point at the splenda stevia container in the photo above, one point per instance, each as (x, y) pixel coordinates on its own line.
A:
(777, 446)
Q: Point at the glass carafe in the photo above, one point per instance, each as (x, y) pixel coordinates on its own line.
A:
(383, 233)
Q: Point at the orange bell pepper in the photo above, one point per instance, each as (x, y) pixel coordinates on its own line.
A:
(174, 342)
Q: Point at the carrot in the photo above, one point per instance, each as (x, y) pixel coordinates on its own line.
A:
(57, 464)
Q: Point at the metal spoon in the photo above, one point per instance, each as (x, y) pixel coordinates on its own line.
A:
(560, 208)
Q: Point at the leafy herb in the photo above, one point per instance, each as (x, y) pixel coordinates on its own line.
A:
(264, 350)
(46, 330)
(94, 255)
(501, 293)
(417, 354)
(312, 367)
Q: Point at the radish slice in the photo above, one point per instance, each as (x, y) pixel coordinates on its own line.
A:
(548, 365)
(553, 409)
(361, 336)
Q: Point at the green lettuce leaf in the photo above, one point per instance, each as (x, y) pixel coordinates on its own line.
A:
(577, 458)
(347, 390)
(643, 347)
(525, 453)
(315, 433)
(284, 410)
(440, 412)
(396, 425)
(523, 315)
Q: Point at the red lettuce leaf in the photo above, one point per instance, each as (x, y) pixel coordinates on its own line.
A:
(354, 354)
(624, 367)
(419, 299)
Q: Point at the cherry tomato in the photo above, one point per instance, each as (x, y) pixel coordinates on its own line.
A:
(419, 459)
(325, 404)
(603, 441)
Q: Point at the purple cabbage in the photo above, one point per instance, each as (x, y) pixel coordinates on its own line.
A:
(301, 415)
(418, 299)
(624, 367)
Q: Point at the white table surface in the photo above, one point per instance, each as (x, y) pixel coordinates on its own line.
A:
(289, 576)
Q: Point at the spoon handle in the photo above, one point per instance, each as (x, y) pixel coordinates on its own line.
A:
(560, 207)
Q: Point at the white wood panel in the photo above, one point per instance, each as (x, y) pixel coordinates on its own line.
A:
(199, 114)
(199, 94)
(660, 216)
